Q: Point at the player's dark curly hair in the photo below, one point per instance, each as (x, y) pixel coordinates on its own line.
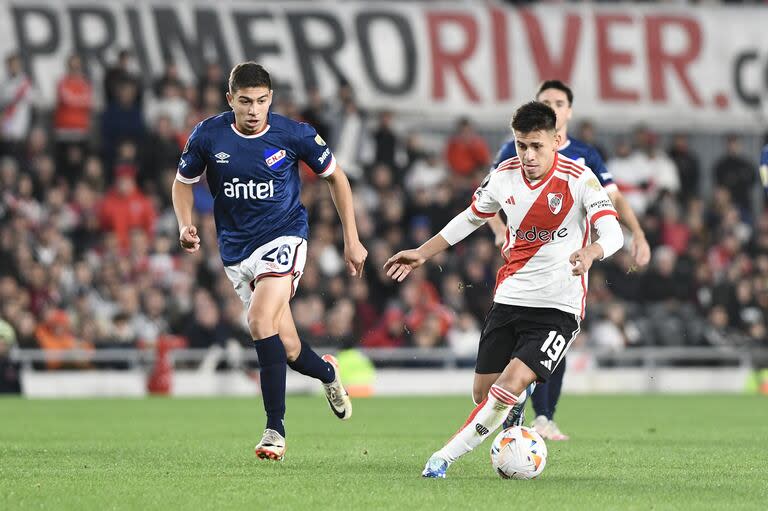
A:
(534, 116)
(248, 74)
(556, 84)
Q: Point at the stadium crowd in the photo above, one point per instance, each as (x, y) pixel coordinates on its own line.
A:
(91, 259)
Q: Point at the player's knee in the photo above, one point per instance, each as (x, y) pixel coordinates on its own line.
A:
(262, 327)
(478, 396)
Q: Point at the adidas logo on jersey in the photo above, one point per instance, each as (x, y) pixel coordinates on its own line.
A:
(510, 200)
(221, 157)
(547, 364)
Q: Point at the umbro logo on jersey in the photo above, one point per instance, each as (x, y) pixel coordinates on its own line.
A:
(555, 202)
(510, 200)
(547, 364)
(221, 157)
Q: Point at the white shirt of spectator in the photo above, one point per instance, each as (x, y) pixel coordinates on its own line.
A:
(546, 222)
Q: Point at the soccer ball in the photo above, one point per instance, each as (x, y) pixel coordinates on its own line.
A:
(518, 453)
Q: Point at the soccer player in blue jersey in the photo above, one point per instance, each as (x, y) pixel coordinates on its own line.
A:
(559, 97)
(251, 158)
(764, 169)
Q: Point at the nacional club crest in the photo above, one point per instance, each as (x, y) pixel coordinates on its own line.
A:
(555, 202)
(274, 158)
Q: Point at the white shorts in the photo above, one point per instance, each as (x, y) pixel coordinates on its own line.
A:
(285, 255)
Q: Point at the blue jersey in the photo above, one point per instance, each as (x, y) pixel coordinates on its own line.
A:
(254, 179)
(574, 149)
(764, 168)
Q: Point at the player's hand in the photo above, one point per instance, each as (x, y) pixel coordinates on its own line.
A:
(401, 264)
(355, 255)
(641, 251)
(189, 239)
(582, 259)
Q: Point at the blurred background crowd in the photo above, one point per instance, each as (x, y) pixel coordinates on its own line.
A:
(89, 241)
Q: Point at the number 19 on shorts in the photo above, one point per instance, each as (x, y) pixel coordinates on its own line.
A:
(554, 346)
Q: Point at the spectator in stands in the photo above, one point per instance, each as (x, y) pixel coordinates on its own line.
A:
(204, 327)
(121, 120)
(648, 154)
(688, 166)
(16, 105)
(72, 117)
(737, 174)
(54, 335)
(125, 208)
(212, 84)
(121, 71)
(161, 150)
(387, 145)
(316, 113)
(586, 133)
(391, 332)
(466, 151)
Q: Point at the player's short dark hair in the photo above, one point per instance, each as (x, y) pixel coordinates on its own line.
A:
(248, 74)
(534, 116)
(556, 84)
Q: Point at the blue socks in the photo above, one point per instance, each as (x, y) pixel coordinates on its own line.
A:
(273, 362)
(310, 364)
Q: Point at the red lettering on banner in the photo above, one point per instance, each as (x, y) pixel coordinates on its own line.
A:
(609, 58)
(548, 66)
(658, 58)
(443, 60)
(500, 53)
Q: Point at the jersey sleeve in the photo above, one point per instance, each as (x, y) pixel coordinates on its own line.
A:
(313, 151)
(595, 162)
(192, 163)
(506, 152)
(594, 198)
(484, 204)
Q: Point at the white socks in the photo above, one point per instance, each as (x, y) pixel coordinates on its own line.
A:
(484, 420)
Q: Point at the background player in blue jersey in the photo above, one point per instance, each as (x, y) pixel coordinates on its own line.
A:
(559, 97)
(251, 157)
(764, 169)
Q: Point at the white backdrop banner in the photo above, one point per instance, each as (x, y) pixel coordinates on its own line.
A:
(668, 66)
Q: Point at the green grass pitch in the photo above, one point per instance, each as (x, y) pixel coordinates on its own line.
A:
(629, 452)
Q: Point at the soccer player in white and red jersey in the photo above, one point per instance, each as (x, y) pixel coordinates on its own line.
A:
(559, 97)
(549, 201)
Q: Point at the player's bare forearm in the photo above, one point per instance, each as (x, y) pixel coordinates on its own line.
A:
(183, 201)
(499, 229)
(641, 251)
(341, 193)
(433, 246)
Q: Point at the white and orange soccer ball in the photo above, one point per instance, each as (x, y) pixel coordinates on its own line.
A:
(518, 453)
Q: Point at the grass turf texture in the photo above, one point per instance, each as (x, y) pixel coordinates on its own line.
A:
(635, 452)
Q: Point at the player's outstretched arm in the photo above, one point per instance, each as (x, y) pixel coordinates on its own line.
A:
(341, 193)
(611, 240)
(641, 251)
(499, 229)
(183, 200)
(401, 264)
